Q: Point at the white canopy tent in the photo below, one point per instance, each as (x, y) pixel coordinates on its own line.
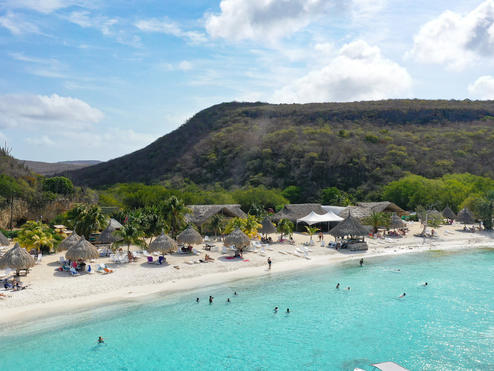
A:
(314, 218)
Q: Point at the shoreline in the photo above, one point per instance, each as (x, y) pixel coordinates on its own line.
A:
(19, 315)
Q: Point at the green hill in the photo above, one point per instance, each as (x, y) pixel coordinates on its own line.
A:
(353, 146)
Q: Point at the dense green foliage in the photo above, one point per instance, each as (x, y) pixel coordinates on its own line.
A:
(356, 147)
(59, 185)
(36, 235)
(452, 190)
(86, 219)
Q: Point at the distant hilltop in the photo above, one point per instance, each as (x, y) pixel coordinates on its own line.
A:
(51, 168)
(353, 146)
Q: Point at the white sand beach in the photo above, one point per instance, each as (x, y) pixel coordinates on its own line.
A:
(51, 291)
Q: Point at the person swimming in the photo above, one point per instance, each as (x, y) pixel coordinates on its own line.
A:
(235, 293)
(287, 310)
(425, 284)
(348, 288)
(338, 285)
(101, 340)
(228, 300)
(211, 300)
(197, 300)
(275, 309)
(402, 295)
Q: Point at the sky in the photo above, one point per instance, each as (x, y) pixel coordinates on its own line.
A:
(94, 80)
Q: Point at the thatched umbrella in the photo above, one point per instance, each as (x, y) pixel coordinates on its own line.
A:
(70, 241)
(238, 239)
(267, 227)
(465, 216)
(83, 250)
(349, 227)
(189, 237)
(4, 241)
(115, 224)
(396, 222)
(108, 236)
(17, 258)
(448, 213)
(163, 244)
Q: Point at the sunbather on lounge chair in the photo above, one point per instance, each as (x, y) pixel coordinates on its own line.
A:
(150, 260)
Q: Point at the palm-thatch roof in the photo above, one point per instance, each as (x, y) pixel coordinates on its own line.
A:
(4, 241)
(448, 213)
(115, 224)
(465, 216)
(349, 227)
(190, 236)
(396, 222)
(293, 212)
(201, 213)
(70, 241)
(365, 209)
(83, 250)
(17, 258)
(238, 239)
(163, 244)
(267, 227)
(108, 236)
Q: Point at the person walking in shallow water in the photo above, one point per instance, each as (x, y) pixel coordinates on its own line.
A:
(269, 263)
(361, 261)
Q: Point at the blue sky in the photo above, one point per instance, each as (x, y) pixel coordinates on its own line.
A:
(84, 79)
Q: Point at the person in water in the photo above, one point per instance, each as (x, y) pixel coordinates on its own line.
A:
(228, 300)
(338, 286)
(275, 309)
(269, 262)
(211, 300)
(402, 295)
(235, 293)
(197, 300)
(348, 288)
(288, 310)
(425, 284)
(361, 261)
(101, 340)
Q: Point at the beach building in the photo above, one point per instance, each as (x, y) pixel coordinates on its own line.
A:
(365, 209)
(202, 213)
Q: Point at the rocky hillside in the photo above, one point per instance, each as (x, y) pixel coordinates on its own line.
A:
(353, 146)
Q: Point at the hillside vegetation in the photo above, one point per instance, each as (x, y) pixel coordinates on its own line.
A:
(356, 147)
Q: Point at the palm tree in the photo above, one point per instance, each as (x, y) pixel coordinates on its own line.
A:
(285, 227)
(86, 219)
(376, 220)
(130, 234)
(217, 224)
(36, 235)
(152, 223)
(311, 231)
(173, 211)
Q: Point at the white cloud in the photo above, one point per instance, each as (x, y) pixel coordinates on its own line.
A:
(43, 140)
(457, 39)
(185, 66)
(367, 8)
(17, 25)
(263, 19)
(482, 88)
(169, 28)
(357, 72)
(84, 19)
(26, 111)
(41, 6)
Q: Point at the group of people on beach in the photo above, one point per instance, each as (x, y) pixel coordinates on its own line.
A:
(13, 285)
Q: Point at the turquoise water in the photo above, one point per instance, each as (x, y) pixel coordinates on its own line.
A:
(448, 325)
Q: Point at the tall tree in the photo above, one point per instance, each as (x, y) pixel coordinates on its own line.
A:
(131, 234)
(86, 219)
(36, 235)
(284, 227)
(173, 211)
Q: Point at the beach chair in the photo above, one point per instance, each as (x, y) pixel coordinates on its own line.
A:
(224, 250)
(73, 272)
(195, 252)
(106, 271)
(161, 260)
(262, 252)
(306, 255)
(150, 260)
(38, 259)
(62, 260)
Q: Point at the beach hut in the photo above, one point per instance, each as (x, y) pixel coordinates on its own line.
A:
(396, 222)
(238, 239)
(163, 244)
(70, 241)
(4, 241)
(465, 216)
(82, 251)
(17, 258)
(267, 227)
(448, 213)
(108, 236)
(115, 225)
(352, 228)
(189, 237)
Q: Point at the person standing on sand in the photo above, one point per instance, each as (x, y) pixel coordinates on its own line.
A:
(269, 262)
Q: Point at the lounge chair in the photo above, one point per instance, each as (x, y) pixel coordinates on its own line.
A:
(73, 272)
(38, 260)
(306, 255)
(150, 260)
(106, 271)
(62, 260)
(160, 260)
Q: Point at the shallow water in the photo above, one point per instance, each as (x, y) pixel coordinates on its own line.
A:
(448, 325)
